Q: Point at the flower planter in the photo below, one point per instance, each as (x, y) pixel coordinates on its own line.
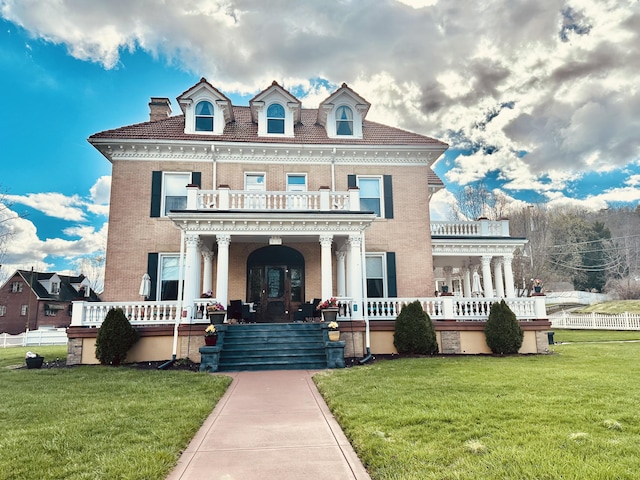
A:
(334, 335)
(217, 317)
(211, 340)
(34, 362)
(330, 314)
(537, 289)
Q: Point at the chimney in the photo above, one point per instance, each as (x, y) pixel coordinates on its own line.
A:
(159, 108)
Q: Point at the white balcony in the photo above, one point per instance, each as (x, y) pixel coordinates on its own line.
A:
(242, 200)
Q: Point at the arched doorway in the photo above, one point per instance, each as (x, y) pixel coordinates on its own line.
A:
(275, 283)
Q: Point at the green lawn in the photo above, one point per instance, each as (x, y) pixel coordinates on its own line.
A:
(570, 415)
(617, 306)
(95, 422)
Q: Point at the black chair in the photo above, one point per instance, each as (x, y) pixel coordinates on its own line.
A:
(235, 310)
(316, 313)
(305, 313)
(247, 314)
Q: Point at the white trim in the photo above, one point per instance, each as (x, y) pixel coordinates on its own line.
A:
(385, 277)
(380, 179)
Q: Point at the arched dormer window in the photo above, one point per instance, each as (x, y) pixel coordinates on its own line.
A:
(204, 117)
(344, 121)
(275, 118)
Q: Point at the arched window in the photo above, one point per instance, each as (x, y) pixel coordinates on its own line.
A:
(275, 118)
(344, 121)
(204, 117)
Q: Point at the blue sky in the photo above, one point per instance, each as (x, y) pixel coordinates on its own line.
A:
(539, 99)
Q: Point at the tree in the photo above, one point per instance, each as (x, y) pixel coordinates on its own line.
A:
(502, 330)
(476, 200)
(414, 332)
(115, 337)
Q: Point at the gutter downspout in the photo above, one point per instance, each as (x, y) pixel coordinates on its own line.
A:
(174, 353)
(365, 312)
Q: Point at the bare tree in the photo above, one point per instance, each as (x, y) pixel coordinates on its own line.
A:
(92, 267)
(477, 201)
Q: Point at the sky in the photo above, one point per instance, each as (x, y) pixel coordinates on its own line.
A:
(537, 98)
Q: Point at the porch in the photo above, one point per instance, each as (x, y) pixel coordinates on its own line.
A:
(459, 324)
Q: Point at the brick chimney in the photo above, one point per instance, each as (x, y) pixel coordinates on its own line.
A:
(159, 108)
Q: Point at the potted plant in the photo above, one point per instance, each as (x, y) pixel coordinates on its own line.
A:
(207, 294)
(334, 333)
(210, 335)
(33, 360)
(537, 285)
(216, 312)
(329, 309)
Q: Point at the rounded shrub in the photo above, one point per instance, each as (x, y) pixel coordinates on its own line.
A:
(115, 337)
(414, 332)
(502, 330)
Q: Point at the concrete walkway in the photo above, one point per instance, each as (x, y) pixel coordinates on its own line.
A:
(270, 425)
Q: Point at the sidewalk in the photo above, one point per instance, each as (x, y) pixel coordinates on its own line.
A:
(270, 425)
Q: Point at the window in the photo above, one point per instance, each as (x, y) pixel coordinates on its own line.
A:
(296, 182)
(169, 275)
(16, 287)
(254, 182)
(3, 310)
(275, 118)
(370, 194)
(344, 121)
(174, 190)
(55, 288)
(204, 117)
(375, 276)
(23, 310)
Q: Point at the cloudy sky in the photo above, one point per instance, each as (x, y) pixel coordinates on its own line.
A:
(540, 98)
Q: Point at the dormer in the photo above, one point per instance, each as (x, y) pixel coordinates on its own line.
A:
(52, 284)
(275, 111)
(84, 287)
(206, 110)
(342, 113)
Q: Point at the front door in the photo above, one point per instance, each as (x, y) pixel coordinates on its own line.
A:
(275, 289)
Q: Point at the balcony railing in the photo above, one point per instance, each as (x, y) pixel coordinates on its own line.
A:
(92, 314)
(244, 200)
(480, 228)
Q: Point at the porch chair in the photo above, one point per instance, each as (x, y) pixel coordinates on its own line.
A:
(235, 310)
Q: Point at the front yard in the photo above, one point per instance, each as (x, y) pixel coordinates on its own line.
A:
(571, 415)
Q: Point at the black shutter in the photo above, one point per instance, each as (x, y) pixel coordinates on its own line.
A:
(351, 181)
(392, 288)
(388, 196)
(196, 179)
(152, 270)
(156, 193)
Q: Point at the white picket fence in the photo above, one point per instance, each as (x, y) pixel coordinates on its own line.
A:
(596, 321)
(45, 336)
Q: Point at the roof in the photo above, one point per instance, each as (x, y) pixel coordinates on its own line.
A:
(243, 129)
(67, 291)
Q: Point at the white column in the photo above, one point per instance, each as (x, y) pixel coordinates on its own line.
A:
(509, 290)
(207, 273)
(325, 264)
(487, 283)
(191, 272)
(222, 277)
(341, 273)
(466, 282)
(497, 275)
(355, 274)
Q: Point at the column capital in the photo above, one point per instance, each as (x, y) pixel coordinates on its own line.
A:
(341, 254)
(486, 260)
(507, 257)
(223, 240)
(355, 240)
(326, 240)
(208, 255)
(192, 240)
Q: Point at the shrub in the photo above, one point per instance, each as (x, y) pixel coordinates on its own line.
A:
(115, 337)
(502, 331)
(414, 332)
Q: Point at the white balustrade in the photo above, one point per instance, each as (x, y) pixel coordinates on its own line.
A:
(247, 200)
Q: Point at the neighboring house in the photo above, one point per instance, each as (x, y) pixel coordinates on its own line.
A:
(30, 300)
(274, 205)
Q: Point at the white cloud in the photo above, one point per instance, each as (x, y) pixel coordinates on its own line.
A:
(54, 205)
(558, 80)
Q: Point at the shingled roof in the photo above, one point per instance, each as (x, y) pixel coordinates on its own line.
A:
(243, 129)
